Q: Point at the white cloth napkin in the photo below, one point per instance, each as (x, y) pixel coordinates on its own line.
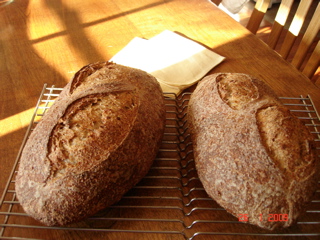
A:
(234, 6)
(177, 62)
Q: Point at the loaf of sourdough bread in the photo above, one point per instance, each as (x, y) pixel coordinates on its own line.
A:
(96, 142)
(252, 155)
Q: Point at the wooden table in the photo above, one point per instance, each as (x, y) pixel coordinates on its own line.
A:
(48, 41)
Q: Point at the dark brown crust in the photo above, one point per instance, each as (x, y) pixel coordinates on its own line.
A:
(57, 193)
(235, 161)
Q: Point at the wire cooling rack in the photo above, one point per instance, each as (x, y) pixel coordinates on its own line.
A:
(170, 202)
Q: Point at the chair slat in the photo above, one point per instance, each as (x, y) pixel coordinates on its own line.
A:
(257, 15)
(295, 27)
(279, 23)
(308, 39)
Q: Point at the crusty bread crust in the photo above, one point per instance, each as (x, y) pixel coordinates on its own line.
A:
(252, 155)
(96, 142)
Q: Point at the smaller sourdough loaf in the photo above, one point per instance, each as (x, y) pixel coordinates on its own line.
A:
(96, 142)
(252, 155)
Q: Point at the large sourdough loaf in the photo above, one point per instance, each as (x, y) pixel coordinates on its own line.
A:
(252, 155)
(96, 142)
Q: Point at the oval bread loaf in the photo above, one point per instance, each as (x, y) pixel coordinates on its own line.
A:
(252, 155)
(96, 142)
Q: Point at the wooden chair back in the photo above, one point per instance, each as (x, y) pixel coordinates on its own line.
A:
(257, 15)
(308, 41)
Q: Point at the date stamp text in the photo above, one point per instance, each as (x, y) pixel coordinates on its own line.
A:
(269, 217)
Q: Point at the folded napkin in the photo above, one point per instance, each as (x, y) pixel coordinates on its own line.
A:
(177, 62)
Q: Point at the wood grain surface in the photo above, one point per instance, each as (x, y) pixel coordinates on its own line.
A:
(48, 41)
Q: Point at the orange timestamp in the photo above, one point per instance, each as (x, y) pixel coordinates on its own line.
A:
(269, 217)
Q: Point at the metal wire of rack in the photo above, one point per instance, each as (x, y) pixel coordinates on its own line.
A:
(168, 203)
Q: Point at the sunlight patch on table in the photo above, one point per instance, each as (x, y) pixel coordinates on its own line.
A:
(15, 122)
(21, 120)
